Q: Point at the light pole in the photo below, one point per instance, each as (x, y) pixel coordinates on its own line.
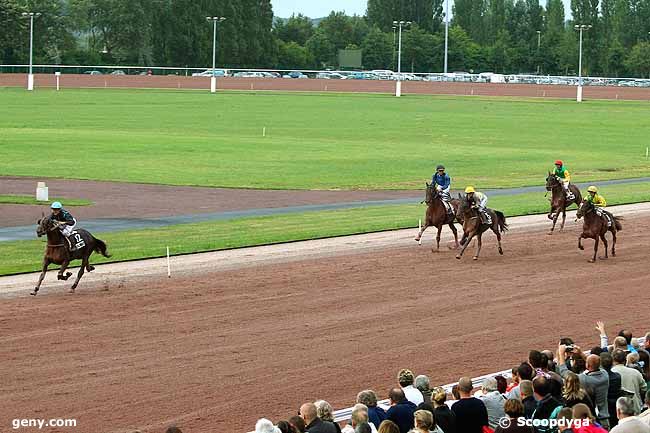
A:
(30, 76)
(446, 33)
(580, 28)
(213, 78)
(539, 43)
(394, 45)
(398, 84)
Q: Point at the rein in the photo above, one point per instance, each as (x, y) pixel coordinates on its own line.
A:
(56, 245)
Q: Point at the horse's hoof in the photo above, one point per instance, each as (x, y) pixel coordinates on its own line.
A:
(90, 268)
(71, 291)
(458, 257)
(475, 258)
(581, 247)
(34, 293)
(500, 251)
(591, 261)
(613, 254)
(550, 233)
(417, 239)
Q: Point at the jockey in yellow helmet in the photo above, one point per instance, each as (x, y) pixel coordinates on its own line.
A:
(599, 202)
(478, 200)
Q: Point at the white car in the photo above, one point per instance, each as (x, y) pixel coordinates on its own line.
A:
(209, 73)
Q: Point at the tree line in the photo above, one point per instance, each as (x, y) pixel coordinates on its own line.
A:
(502, 36)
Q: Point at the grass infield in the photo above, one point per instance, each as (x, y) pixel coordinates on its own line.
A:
(30, 200)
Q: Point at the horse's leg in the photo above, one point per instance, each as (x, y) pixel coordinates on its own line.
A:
(614, 242)
(64, 266)
(555, 216)
(602, 237)
(455, 232)
(580, 241)
(464, 245)
(593, 259)
(426, 224)
(438, 239)
(478, 247)
(82, 268)
(46, 263)
(563, 218)
(496, 232)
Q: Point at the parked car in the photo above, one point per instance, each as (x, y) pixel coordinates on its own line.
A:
(209, 73)
(118, 72)
(330, 76)
(93, 73)
(384, 74)
(295, 74)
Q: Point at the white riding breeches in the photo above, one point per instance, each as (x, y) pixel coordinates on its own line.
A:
(66, 230)
(565, 185)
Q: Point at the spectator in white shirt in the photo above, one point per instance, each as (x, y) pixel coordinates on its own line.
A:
(405, 378)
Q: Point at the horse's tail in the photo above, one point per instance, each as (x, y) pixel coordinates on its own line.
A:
(501, 220)
(100, 247)
(617, 223)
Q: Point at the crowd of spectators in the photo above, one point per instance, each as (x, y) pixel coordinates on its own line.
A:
(604, 389)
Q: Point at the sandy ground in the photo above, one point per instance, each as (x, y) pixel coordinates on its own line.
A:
(318, 85)
(237, 335)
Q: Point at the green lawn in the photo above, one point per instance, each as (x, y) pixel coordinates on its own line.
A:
(315, 141)
(28, 199)
(23, 256)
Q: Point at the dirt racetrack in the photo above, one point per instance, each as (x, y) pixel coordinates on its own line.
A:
(212, 352)
(319, 85)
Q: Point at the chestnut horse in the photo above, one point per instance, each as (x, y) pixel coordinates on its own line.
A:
(559, 201)
(57, 250)
(437, 215)
(595, 226)
(473, 226)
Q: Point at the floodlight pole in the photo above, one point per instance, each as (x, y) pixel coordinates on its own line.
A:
(580, 28)
(446, 34)
(398, 84)
(213, 78)
(30, 75)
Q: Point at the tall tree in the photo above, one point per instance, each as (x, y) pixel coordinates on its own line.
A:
(377, 50)
(298, 28)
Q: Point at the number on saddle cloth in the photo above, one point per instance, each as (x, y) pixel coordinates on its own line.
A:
(608, 217)
(76, 240)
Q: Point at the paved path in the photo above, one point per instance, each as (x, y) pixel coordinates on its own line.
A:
(99, 225)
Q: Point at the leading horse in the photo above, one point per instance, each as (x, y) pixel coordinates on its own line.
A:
(473, 226)
(58, 253)
(596, 226)
(437, 215)
(559, 200)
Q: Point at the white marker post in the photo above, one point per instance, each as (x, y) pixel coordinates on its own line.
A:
(646, 152)
(58, 77)
(420, 231)
(264, 132)
(169, 269)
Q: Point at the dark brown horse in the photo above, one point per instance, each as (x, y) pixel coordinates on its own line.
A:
(57, 250)
(595, 227)
(473, 226)
(559, 201)
(437, 215)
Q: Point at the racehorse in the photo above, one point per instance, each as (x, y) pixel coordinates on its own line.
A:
(596, 226)
(437, 215)
(57, 251)
(559, 201)
(473, 226)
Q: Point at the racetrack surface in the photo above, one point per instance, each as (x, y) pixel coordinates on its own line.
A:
(237, 335)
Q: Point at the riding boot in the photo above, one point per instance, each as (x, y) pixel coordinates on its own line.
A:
(71, 246)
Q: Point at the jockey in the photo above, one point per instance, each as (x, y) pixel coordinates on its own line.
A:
(479, 200)
(64, 218)
(599, 202)
(442, 183)
(565, 177)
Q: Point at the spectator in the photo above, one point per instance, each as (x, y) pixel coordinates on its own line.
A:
(550, 364)
(614, 390)
(546, 403)
(359, 416)
(564, 417)
(285, 427)
(646, 342)
(588, 423)
(631, 380)
(514, 409)
(593, 379)
(632, 361)
(525, 372)
(405, 378)
(265, 426)
(363, 428)
(628, 340)
(425, 422)
(645, 415)
(401, 410)
(388, 426)
(627, 422)
(325, 413)
(573, 392)
(620, 343)
(422, 384)
(515, 379)
(471, 414)
(527, 398)
(298, 424)
(502, 385)
(535, 360)
(644, 361)
(309, 414)
(375, 414)
(173, 429)
(445, 418)
(493, 401)
(455, 393)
